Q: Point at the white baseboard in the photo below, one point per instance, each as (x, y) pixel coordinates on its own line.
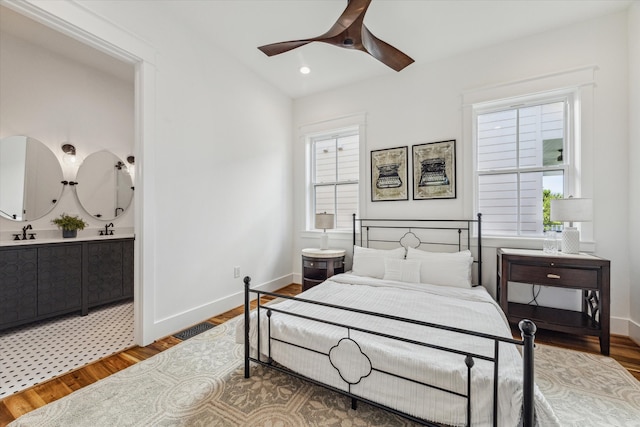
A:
(619, 326)
(297, 278)
(180, 321)
(634, 331)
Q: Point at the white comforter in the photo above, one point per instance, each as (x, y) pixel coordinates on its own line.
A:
(471, 309)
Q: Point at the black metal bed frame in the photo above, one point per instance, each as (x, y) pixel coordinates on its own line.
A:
(527, 327)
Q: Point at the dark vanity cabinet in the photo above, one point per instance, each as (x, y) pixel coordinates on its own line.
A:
(109, 271)
(59, 279)
(18, 285)
(39, 281)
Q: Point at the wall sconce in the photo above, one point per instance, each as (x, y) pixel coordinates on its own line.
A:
(571, 210)
(69, 157)
(324, 221)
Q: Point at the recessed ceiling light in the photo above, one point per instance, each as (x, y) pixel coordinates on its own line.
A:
(305, 70)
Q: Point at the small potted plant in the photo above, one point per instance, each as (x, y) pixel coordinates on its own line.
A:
(69, 224)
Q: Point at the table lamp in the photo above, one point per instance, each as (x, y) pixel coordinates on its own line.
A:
(324, 221)
(571, 210)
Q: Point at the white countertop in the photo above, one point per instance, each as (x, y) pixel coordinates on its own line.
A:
(80, 238)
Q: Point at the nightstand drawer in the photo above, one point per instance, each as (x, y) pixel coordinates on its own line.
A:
(555, 276)
(314, 264)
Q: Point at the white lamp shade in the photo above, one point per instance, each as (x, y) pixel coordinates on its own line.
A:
(324, 221)
(571, 210)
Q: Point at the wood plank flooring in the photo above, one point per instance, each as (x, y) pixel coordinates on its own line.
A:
(625, 351)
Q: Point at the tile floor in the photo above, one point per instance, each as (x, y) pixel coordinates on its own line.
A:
(36, 352)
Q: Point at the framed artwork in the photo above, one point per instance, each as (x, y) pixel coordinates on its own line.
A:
(389, 174)
(434, 170)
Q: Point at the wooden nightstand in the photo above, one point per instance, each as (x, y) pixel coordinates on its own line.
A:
(573, 271)
(320, 264)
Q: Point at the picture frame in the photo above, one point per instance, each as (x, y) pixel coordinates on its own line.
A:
(434, 170)
(389, 174)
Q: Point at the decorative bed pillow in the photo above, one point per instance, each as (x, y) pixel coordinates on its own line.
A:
(402, 270)
(369, 262)
(442, 268)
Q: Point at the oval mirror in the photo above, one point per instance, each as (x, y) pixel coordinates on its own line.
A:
(104, 188)
(30, 179)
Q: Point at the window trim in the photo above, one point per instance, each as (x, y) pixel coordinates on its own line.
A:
(354, 122)
(569, 98)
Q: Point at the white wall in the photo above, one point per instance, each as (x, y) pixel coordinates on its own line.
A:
(55, 100)
(634, 170)
(424, 104)
(215, 155)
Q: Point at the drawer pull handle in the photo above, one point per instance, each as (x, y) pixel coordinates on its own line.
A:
(553, 276)
(311, 264)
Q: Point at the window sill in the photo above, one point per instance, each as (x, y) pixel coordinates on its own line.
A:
(527, 243)
(346, 235)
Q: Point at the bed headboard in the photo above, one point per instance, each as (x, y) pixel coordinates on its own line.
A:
(434, 235)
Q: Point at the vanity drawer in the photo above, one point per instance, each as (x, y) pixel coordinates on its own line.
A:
(554, 276)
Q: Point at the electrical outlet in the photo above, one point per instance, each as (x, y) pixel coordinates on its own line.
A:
(236, 271)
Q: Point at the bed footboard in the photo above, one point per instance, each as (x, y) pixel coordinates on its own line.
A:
(527, 329)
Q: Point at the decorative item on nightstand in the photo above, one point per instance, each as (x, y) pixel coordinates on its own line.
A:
(324, 221)
(571, 210)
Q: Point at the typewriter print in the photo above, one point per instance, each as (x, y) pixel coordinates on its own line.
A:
(434, 170)
(389, 174)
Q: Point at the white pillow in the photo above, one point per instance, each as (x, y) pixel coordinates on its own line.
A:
(402, 270)
(369, 262)
(444, 269)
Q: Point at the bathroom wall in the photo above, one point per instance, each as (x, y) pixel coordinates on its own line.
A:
(56, 99)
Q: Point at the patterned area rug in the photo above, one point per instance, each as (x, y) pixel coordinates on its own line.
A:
(587, 389)
(200, 382)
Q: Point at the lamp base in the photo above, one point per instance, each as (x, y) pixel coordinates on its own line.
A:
(324, 241)
(570, 240)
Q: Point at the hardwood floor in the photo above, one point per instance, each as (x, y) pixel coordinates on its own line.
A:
(625, 351)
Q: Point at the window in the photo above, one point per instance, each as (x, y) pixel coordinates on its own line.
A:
(335, 171)
(522, 161)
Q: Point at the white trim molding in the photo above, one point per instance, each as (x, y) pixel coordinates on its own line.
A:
(76, 21)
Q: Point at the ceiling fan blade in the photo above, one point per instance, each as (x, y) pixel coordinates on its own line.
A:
(277, 48)
(355, 10)
(349, 32)
(384, 52)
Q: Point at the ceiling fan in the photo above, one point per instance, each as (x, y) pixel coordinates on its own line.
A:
(349, 32)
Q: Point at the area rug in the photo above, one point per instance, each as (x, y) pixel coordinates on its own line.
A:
(200, 382)
(587, 389)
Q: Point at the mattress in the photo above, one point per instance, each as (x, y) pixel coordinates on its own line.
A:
(367, 365)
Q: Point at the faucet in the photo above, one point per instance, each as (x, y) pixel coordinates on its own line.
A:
(106, 231)
(24, 231)
(119, 209)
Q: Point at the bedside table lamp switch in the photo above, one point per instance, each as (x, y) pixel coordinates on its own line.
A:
(324, 221)
(571, 210)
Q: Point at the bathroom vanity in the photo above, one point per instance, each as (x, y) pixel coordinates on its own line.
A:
(42, 279)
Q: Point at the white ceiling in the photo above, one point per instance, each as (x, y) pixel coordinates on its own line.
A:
(426, 30)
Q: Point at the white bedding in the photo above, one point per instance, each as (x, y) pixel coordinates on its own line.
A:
(472, 309)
